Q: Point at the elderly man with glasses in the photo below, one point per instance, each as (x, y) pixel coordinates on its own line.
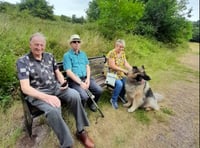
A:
(76, 65)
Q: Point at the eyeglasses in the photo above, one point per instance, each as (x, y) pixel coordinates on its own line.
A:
(76, 42)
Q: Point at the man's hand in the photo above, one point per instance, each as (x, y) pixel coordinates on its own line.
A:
(53, 101)
(87, 81)
(64, 85)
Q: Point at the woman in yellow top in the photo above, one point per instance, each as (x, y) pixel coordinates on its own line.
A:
(118, 64)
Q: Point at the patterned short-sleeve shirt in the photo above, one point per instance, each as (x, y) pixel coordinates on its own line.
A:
(119, 61)
(41, 74)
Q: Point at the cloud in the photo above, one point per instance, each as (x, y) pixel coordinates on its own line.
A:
(70, 7)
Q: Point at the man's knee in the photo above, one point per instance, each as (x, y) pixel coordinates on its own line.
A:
(53, 113)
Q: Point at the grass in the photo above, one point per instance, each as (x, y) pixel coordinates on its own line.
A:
(167, 111)
(142, 116)
(119, 128)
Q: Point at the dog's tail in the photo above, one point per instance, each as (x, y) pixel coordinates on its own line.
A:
(158, 97)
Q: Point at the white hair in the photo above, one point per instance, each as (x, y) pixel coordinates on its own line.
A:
(120, 41)
(38, 34)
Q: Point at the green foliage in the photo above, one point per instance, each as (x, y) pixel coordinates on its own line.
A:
(8, 8)
(142, 116)
(195, 32)
(39, 8)
(16, 29)
(93, 11)
(118, 16)
(65, 18)
(167, 111)
(162, 20)
(80, 20)
(7, 73)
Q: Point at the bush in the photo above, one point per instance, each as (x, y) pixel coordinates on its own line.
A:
(8, 78)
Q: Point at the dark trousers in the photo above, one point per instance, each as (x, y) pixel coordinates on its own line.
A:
(95, 89)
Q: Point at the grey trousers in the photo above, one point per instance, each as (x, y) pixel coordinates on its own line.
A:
(54, 116)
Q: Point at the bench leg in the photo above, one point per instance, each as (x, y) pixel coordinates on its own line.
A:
(28, 123)
(28, 119)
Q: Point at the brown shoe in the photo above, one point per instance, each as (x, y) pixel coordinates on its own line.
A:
(83, 137)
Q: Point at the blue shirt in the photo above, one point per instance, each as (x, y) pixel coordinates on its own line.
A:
(76, 62)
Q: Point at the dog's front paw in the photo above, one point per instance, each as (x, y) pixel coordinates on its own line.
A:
(130, 110)
(148, 108)
(157, 108)
(127, 104)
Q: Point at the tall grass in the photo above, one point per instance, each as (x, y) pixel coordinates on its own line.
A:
(15, 31)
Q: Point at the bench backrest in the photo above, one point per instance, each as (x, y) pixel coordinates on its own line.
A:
(96, 66)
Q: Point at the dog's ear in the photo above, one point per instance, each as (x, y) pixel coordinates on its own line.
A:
(143, 67)
(135, 68)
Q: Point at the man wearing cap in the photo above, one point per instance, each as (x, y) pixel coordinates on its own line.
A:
(40, 79)
(76, 65)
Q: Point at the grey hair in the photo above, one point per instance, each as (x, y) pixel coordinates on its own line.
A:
(37, 34)
(120, 41)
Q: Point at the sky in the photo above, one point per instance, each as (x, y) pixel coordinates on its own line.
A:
(79, 7)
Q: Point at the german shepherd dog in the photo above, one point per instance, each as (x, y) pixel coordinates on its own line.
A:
(138, 91)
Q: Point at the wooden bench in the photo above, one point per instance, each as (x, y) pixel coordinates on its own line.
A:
(97, 72)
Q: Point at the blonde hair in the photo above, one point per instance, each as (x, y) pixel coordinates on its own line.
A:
(120, 41)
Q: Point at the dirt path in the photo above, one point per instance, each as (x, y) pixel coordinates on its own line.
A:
(180, 130)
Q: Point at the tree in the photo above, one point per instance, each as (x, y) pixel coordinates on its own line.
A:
(65, 18)
(195, 31)
(118, 16)
(80, 20)
(164, 20)
(93, 11)
(6, 7)
(37, 8)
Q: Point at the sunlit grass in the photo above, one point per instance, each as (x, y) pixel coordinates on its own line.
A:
(119, 127)
(167, 111)
(142, 116)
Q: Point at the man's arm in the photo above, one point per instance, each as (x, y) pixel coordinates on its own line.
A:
(87, 81)
(30, 91)
(59, 76)
(73, 76)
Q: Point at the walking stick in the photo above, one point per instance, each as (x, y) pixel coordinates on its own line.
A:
(91, 96)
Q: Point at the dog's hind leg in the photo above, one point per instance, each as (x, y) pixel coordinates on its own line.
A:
(137, 102)
(155, 106)
(152, 103)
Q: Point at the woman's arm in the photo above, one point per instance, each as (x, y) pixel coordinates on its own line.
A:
(112, 65)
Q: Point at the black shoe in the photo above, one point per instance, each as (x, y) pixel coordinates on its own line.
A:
(93, 107)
